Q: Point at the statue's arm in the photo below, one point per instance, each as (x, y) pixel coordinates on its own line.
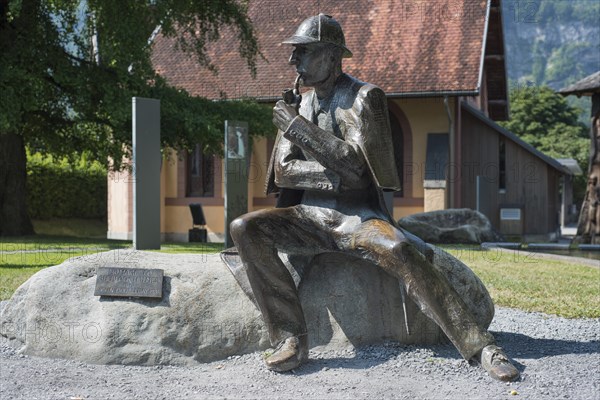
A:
(334, 154)
(292, 171)
(366, 121)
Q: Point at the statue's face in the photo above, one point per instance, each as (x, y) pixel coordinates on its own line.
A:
(314, 63)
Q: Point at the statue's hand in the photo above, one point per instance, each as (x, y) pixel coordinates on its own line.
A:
(283, 114)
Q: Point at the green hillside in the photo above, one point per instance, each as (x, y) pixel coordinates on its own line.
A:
(552, 42)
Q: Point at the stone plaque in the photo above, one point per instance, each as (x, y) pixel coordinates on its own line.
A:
(129, 282)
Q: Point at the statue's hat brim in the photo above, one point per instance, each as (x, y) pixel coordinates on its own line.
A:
(297, 39)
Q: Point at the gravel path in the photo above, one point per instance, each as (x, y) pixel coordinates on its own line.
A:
(558, 358)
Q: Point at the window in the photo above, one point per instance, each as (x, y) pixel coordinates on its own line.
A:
(200, 173)
(436, 157)
(502, 166)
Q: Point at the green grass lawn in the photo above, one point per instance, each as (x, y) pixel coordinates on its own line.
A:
(527, 282)
(22, 257)
(51, 242)
(524, 282)
(201, 248)
(16, 268)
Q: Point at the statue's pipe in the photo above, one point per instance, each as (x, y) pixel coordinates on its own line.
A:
(297, 85)
(293, 96)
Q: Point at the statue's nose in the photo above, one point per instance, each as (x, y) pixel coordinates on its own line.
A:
(293, 59)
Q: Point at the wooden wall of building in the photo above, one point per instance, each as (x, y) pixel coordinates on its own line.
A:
(531, 183)
(479, 158)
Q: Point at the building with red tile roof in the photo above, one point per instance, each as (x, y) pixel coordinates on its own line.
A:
(442, 65)
(407, 48)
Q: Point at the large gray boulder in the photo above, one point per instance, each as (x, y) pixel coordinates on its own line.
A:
(204, 315)
(457, 225)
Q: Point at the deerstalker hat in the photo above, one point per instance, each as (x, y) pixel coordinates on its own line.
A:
(320, 29)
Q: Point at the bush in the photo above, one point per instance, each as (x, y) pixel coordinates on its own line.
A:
(75, 188)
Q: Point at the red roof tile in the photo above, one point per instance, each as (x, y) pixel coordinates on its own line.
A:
(404, 47)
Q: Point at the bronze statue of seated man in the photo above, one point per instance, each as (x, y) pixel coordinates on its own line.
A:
(332, 160)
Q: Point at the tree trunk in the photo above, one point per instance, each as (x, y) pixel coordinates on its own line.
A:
(14, 218)
(588, 228)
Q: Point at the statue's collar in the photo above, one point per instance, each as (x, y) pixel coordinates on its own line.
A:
(322, 105)
(325, 104)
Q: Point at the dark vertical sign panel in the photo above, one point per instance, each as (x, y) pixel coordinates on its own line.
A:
(236, 173)
(146, 170)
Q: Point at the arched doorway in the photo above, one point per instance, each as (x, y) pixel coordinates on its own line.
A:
(402, 141)
(398, 142)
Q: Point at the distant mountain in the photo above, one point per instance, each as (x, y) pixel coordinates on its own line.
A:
(552, 42)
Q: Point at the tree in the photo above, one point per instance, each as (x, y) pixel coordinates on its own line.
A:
(588, 228)
(545, 120)
(70, 67)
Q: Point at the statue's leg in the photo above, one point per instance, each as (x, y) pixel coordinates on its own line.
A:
(386, 246)
(258, 236)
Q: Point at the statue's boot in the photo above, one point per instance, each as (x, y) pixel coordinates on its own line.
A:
(290, 354)
(497, 364)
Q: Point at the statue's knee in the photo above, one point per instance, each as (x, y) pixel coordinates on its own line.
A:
(406, 251)
(238, 227)
(248, 225)
(400, 248)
